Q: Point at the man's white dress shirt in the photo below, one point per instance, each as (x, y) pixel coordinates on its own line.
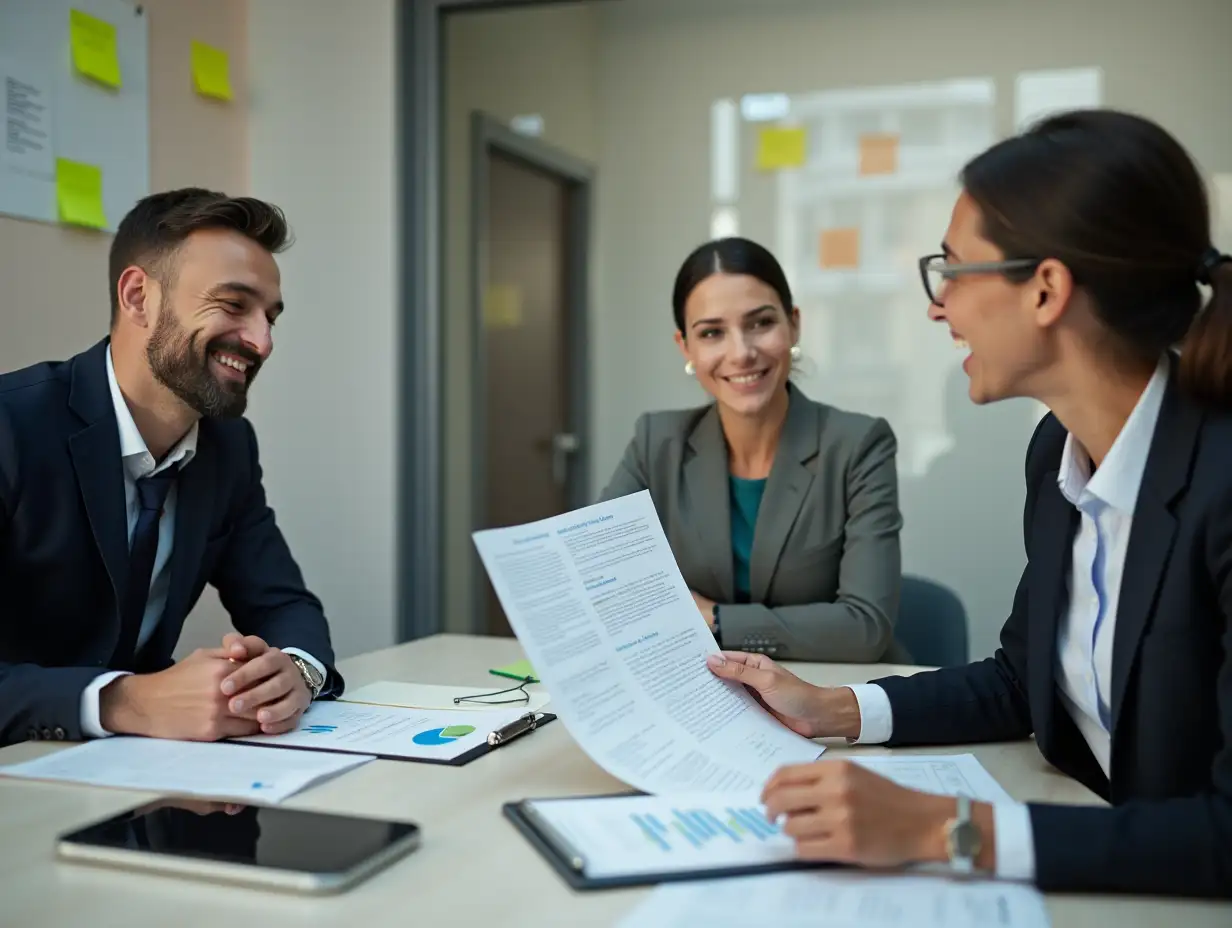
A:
(139, 463)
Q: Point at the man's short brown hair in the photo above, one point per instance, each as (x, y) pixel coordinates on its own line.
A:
(154, 229)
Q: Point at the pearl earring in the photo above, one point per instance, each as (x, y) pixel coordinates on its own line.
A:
(690, 368)
(796, 352)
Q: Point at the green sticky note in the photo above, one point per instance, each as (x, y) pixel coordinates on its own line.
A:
(211, 71)
(79, 194)
(94, 48)
(518, 670)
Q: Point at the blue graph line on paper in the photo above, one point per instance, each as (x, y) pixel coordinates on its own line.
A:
(699, 827)
(320, 729)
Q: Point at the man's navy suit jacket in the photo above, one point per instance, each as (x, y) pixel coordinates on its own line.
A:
(64, 547)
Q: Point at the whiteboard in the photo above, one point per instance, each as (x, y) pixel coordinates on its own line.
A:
(89, 122)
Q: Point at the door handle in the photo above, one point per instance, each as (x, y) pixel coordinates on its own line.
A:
(563, 445)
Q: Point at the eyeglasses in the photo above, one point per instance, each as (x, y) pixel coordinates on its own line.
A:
(936, 272)
(487, 700)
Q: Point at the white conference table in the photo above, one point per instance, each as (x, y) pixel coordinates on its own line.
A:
(473, 867)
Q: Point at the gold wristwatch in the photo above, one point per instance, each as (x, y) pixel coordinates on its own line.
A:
(313, 678)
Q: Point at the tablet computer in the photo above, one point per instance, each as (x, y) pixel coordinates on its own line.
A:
(262, 846)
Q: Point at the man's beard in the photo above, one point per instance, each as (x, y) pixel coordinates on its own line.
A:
(183, 367)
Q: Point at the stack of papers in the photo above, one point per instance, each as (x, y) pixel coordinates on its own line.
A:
(840, 899)
(188, 768)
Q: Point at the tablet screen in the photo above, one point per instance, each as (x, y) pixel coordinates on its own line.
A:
(260, 836)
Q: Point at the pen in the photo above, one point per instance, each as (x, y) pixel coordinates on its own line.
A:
(518, 726)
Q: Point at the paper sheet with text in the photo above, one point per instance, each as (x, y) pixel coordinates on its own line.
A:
(840, 899)
(598, 604)
(188, 768)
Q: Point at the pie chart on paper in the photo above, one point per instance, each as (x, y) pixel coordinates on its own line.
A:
(437, 736)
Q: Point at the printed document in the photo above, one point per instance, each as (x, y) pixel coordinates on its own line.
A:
(188, 768)
(599, 606)
(840, 899)
(390, 731)
(946, 774)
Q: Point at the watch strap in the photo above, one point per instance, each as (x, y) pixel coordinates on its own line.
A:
(962, 840)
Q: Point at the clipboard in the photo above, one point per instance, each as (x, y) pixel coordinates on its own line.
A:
(571, 867)
(496, 739)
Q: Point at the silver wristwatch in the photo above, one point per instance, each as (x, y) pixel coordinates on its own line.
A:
(962, 838)
(313, 678)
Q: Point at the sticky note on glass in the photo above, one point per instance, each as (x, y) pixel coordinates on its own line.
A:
(79, 194)
(879, 153)
(518, 670)
(840, 248)
(502, 307)
(94, 48)
(211, 71)
(779, 148)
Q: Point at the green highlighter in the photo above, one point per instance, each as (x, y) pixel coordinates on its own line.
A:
(518, 670)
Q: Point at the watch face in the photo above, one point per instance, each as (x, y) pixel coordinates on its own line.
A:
(313, 675)
(964, 840)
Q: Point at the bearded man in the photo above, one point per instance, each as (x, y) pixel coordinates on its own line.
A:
(129, 479)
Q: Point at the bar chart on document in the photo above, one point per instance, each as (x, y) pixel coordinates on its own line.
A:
(699, 827)
(664, 834)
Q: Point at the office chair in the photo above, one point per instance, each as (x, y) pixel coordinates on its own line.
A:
(932, 623)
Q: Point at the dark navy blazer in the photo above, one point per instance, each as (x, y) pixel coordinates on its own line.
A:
(1170, 826)
(64, 546)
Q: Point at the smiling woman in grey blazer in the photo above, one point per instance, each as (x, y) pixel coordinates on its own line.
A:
(782, 512)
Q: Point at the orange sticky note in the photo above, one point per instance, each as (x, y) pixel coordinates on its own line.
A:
(840, 248)
(878, 153)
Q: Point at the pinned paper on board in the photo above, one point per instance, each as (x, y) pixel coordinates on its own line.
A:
(211, 71)
(502, 307)
(779, 148)
(878, 153)
(840, 248)
(79, 194)
(95, 54)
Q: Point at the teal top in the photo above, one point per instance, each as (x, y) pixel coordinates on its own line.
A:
(745, 501)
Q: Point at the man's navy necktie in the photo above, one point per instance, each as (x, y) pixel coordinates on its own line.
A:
(151, 495)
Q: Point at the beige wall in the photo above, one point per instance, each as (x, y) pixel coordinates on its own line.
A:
(322, 136)
(505, 63)
(663, 62)
(55, 300)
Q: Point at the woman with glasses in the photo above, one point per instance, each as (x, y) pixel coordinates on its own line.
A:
(782, 512)
(1071, 270)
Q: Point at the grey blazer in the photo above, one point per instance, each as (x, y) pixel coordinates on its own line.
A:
(825, 569)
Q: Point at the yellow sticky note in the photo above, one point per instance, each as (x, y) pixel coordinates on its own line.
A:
(94, 48)
(79, 194)
(502, 307)
(878, 153)
(840, 248)
(779, 148)
(211, 71)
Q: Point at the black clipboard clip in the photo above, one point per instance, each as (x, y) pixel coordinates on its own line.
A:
(519, 726)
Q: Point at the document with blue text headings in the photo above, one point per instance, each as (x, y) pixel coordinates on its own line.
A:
(598, 604)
